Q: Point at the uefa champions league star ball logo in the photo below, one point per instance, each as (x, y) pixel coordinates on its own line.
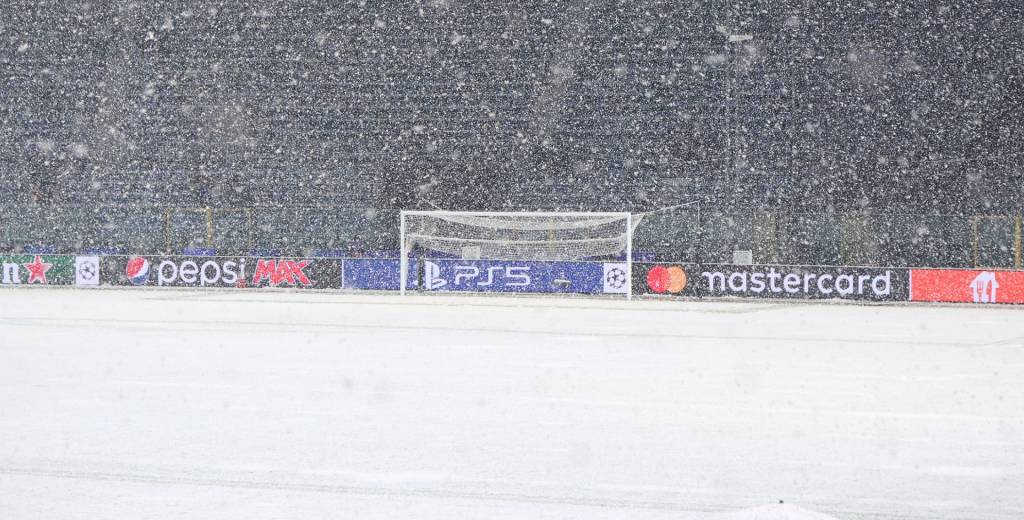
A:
(137, 270)
(87, 271)
(615, 278)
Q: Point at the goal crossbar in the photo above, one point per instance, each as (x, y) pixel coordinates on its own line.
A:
(428, 213)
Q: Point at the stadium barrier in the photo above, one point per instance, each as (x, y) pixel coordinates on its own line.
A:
(44, 270)
(442, 275)
(967, 286)
(232, 272)
(772, 281)
(453, 275)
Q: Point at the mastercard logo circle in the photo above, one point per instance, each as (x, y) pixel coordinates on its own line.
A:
(661, 279)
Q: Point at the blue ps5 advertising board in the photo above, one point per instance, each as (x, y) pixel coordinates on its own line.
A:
(448, 275)
(374, 274)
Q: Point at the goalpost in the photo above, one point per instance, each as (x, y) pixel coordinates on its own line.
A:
(589, 243)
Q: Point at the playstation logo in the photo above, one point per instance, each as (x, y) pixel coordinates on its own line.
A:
(432, 277)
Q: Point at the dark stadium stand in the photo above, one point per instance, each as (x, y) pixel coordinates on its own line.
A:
(793, 123)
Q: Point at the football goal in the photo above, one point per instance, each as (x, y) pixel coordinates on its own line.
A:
(525, 252)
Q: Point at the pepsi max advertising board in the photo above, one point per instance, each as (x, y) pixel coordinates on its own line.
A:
(772, 281)
(236, 272)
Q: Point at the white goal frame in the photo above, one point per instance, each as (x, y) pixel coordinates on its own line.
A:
(403, 263)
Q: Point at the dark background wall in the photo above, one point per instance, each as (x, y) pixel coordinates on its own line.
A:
(763, 111)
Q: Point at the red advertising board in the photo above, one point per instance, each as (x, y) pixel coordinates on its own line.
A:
(957, 285)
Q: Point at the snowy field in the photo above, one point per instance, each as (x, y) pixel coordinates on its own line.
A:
(265, 405)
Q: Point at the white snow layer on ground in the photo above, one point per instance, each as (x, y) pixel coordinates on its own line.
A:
(265, 405)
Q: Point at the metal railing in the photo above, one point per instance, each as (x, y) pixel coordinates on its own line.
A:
(863, 238)
(860, 238)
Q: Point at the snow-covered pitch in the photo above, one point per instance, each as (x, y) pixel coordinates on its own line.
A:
(264, 405)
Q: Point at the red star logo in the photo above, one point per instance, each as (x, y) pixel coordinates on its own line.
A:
(37, 270)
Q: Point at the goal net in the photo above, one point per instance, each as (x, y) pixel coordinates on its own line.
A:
(495, 241)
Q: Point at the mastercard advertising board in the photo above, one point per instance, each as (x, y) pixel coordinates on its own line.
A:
(772, 281)
(666, 279)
